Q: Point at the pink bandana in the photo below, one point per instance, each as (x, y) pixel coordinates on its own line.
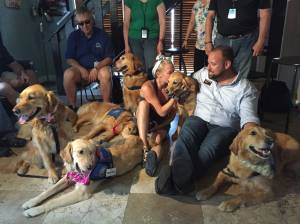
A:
(82, 178)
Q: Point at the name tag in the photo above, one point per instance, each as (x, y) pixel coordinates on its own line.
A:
(144, 33)
(231, 14)
(111, 172)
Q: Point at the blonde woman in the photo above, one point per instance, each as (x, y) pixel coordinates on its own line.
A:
(153, 108)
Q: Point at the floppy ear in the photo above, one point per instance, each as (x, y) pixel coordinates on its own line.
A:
(52, 100)
(137, 64)
(235, 145)
(66, 153)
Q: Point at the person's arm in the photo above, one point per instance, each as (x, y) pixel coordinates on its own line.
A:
(127, 14)
(209, 25)
(148, 92)
(161, 10)
(19, 70)
(189, 29)
(264, 23)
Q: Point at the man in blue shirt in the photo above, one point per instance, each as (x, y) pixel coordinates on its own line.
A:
(225, 103)
(89, 53)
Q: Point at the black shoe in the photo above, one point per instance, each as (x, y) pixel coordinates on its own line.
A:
(151, 163)
(5, 152)
(163, 183)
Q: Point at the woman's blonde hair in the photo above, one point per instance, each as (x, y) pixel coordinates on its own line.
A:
(161, 60)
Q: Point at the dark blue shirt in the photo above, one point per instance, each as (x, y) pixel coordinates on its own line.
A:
(88, 50)
(5, 57)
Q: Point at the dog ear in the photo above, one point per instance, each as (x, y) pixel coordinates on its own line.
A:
(235, 145)
(138, 66)
(52, 100)
(66, 153)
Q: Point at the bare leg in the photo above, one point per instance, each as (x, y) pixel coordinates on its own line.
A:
(104, 76)
(71, 78)
(142, 115)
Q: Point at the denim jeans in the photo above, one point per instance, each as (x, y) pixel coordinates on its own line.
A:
(145, 50)
(242, 48)
(199, 144)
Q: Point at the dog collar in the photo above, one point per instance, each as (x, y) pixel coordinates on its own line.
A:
(134, 87)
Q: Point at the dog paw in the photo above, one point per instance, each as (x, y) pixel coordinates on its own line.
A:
(29, 204)
(203, 195)
(32, 212)
(52, 179)
(228, 206)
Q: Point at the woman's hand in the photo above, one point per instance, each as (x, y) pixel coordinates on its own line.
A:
(160, 47)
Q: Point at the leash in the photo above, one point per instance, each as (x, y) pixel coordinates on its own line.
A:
(32, 176)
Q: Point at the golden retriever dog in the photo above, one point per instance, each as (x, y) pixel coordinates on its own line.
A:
(185, 89)
(108, 120)
(133, 80)
(48, 117)
(257, 156)
(82, 158)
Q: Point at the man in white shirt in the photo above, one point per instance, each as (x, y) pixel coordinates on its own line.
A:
(225, 103)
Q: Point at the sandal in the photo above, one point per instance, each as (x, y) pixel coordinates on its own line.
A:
(151, 163)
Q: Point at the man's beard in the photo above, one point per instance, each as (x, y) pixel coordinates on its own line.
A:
(216, 77)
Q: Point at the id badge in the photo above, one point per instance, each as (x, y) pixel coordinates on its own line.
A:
(144, 33)
(231, 14)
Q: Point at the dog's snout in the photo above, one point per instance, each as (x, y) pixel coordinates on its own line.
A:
(90, 167)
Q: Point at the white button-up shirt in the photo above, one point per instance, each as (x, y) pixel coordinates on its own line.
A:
(231, 105)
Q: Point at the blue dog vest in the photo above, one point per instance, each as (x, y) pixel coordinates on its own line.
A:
(115, 112)
(104, 167)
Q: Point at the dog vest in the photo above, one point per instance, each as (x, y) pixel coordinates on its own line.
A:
(104, 166)
(115, 112)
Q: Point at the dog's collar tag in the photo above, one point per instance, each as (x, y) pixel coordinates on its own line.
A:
(111, 172)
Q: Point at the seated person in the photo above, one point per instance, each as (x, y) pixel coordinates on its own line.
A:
(154, 106)
(89, 53)
(225, 104)
(13, 76)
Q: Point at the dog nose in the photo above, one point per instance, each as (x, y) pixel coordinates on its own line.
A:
(90, 167)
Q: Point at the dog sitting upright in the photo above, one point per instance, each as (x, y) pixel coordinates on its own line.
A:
(257, 156)
(48, 117)
(134, 77)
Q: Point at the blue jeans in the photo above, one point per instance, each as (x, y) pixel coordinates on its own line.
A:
(199, 144)
(242, 48)
(145, 50)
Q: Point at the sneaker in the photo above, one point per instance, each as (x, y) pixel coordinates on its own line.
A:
(151, 163)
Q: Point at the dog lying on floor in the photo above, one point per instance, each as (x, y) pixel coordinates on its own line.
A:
(257, 155)
(87, 167)
(185, 89)
(108, 120)
(48, 117)
(133, 80)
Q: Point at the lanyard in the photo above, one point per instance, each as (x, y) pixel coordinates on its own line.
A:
(144, 10)
(233, 3)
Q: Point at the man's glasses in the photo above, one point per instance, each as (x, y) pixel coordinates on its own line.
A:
(86, 22)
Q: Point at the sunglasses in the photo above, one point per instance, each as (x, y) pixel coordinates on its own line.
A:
(86, 22)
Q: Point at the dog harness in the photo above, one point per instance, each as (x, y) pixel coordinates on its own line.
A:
(103, 169)
(116, 112)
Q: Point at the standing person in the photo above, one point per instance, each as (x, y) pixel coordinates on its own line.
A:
(197, 22)
(89, 53)
(225, 104)
(144, 30)
(153, 108)
(13, 76)
(239, 27)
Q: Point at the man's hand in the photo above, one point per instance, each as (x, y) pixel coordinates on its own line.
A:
(93, 75)
(159, 47)
(258, 48)
(24, 77)
(84, 74)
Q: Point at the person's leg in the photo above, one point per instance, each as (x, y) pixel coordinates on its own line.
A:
(104, 76)
(10, 93)
(215, 145)
(150, 54)
(200, 59)
(137, 49)
(72, 77)
(184, 159)
(142, 116)
(243, 56)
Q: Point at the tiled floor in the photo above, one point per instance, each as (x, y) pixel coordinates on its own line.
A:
(131, 199)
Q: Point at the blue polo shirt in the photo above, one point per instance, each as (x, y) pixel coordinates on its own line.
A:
(88, 50)
(5, 57)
